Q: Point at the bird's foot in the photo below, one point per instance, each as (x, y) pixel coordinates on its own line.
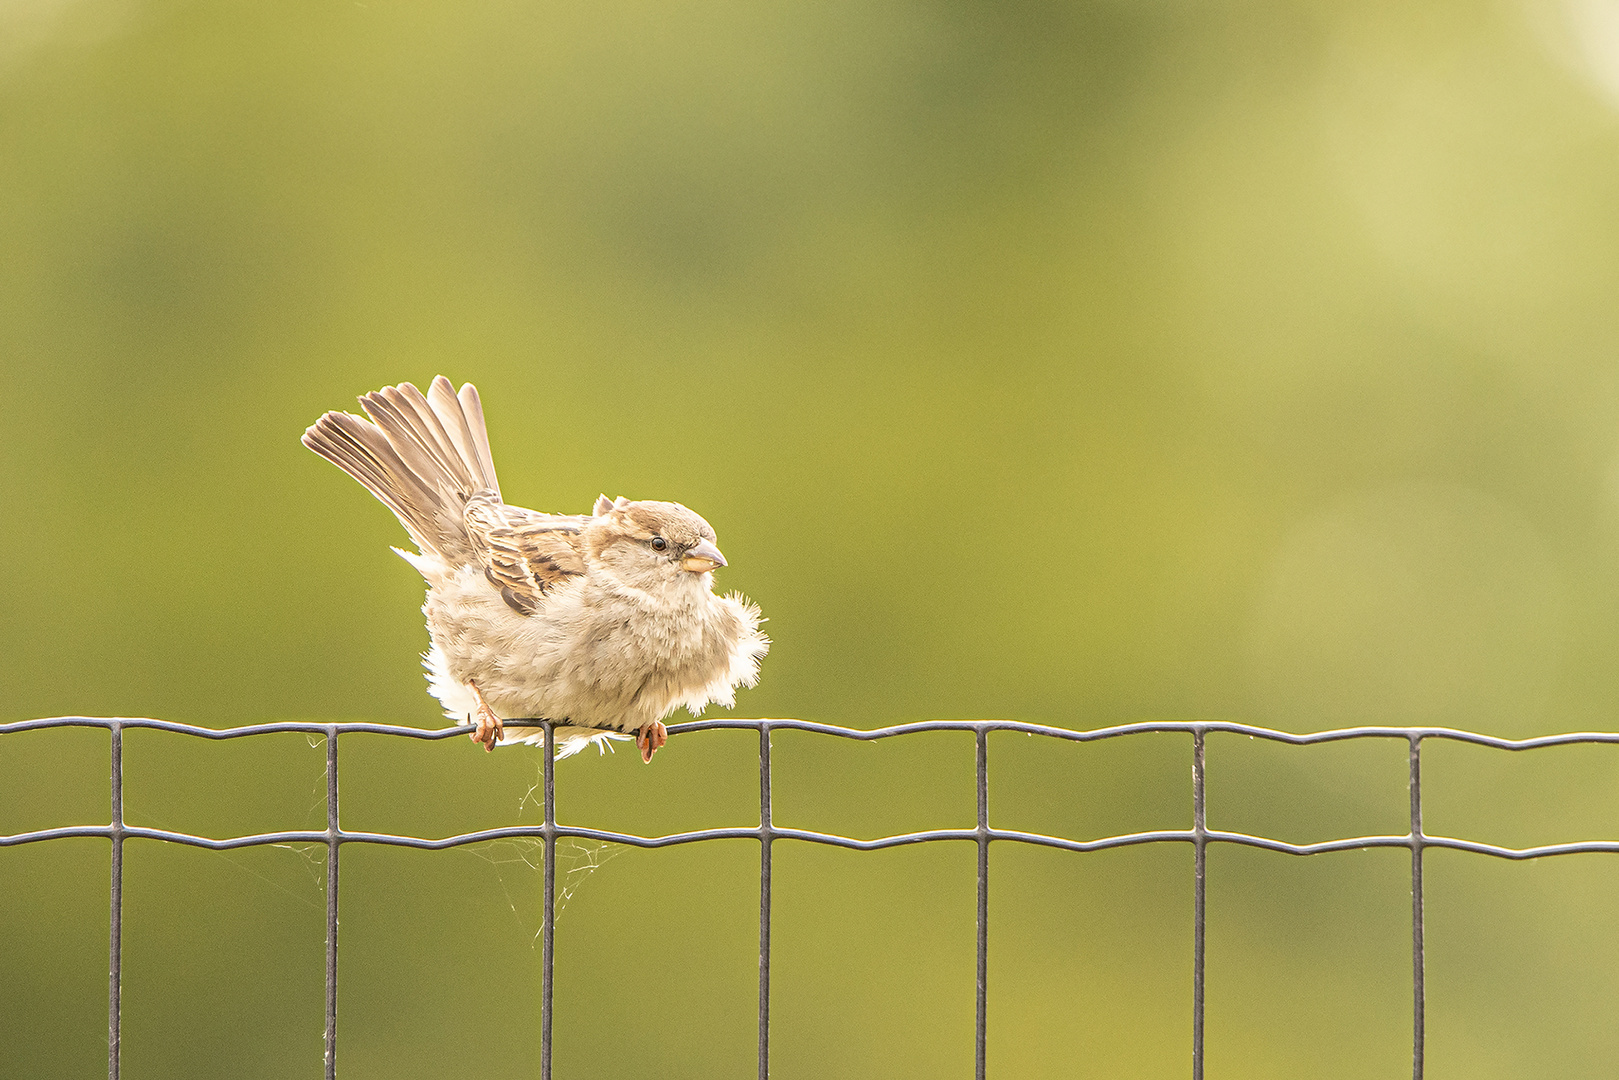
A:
(650, 738)
(484, 719)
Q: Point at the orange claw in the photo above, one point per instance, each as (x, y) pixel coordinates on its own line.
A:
(488, 724)
(650, 739)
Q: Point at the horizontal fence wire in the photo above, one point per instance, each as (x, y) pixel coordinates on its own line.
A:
(1199, 836)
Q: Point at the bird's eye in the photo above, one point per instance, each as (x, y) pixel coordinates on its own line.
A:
(659, 543)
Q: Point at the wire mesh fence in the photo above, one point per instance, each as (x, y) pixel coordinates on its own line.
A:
(982, 835)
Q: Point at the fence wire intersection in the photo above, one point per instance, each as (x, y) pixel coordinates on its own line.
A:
(766, 832)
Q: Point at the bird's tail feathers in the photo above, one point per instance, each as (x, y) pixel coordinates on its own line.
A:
(423, 456)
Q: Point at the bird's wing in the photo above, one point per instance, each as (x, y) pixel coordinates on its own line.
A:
(525, 554)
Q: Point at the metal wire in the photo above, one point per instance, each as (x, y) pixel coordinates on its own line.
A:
(115, 922)
(767, 834)
(333, 839)
(981, 835)
(1419, 995)
(549, 918)
(981, 739)
(1200, 844)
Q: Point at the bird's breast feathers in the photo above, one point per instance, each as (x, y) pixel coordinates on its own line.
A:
(605, 658)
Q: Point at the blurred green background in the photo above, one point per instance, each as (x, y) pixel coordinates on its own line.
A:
(1075, 362)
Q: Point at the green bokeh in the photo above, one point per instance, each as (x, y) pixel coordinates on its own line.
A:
(1074, 362)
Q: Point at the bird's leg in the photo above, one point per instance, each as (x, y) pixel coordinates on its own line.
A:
(650, 737)
(488, 724)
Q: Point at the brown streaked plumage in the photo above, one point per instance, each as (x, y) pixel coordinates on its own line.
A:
(525, 553)
(605, 621)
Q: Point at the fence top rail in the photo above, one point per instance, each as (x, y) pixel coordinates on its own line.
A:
(538, 832)
(1188, 727)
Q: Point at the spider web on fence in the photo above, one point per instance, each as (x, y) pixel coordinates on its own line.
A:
(576, 860)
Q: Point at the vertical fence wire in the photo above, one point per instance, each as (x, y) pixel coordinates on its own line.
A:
(766, 836)
(1418, 988)
(115, 915)
(332, 842)
(1200, 841)
(982, 832)
(549, 918)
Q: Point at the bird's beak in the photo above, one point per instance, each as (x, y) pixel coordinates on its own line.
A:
(704, 557)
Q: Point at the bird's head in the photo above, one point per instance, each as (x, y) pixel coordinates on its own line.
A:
(652, 545)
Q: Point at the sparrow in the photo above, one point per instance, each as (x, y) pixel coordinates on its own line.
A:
(604, 623)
